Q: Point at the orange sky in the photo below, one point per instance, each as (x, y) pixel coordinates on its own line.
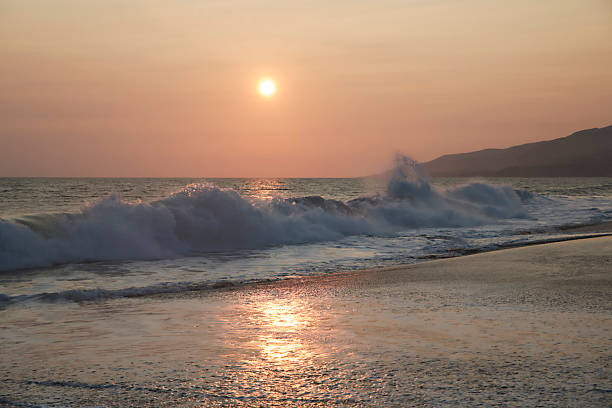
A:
(168, 88)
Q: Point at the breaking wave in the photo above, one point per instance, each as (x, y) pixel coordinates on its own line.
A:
(203, 217)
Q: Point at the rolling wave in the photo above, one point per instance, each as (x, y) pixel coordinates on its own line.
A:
(203, 217)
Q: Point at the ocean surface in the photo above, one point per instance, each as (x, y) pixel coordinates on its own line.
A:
(78, 239)
(115, 292)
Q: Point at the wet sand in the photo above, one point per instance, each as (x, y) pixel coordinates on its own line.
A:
(527, 326)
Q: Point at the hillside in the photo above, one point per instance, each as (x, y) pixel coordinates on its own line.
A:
(587, 153)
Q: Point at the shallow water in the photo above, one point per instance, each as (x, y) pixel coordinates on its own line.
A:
(80, 244)
(355, 341)
(132, 329)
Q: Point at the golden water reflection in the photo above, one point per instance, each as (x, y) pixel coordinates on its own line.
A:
(265, 189)
(286, 327)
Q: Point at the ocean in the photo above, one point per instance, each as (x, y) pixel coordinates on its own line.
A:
(144, 292)
(78, 239)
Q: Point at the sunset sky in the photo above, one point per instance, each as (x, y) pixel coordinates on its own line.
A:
(170, 88)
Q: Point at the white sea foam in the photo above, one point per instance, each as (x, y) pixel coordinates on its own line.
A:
(203, 217)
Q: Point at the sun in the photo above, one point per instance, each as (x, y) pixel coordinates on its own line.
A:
(267, 87)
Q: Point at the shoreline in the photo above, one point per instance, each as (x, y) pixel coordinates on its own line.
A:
(232, 286)
(603, 240)
(527, 326)
(586, 232)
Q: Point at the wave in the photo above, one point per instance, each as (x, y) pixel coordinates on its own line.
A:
(202, 217)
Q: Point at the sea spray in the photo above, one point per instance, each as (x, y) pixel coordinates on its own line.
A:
(203, 217)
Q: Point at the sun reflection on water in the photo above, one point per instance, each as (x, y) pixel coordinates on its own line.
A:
(284, 324)
(265, 189)
(279, 350)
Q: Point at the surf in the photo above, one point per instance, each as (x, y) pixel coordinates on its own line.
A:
(203, 217)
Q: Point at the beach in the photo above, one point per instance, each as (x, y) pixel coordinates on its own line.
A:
(305, 204)
(528, 326)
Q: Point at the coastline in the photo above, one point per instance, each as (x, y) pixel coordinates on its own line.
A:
(540, 263)
(576, 232)
(583, 232)
(522, 326)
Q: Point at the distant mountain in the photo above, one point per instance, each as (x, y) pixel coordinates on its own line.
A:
(587, 153)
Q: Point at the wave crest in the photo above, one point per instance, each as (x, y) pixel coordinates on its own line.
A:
(203, 217)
